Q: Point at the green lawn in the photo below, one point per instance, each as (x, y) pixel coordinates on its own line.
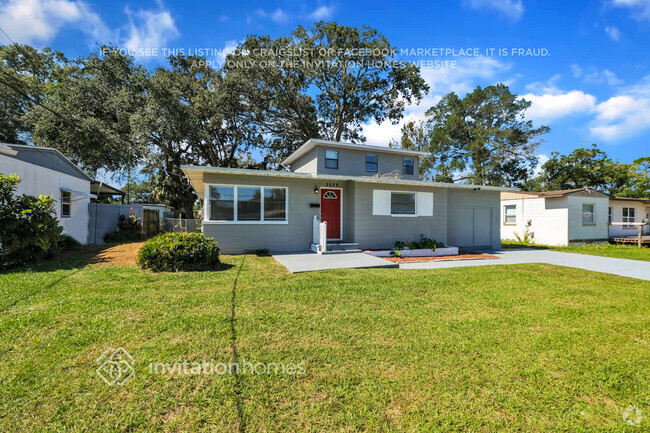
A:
(505, 348)
(620, 251)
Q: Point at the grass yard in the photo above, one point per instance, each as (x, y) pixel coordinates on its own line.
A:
(504, 348)
(620, 251)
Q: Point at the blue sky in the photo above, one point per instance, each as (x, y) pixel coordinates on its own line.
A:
(593, 87)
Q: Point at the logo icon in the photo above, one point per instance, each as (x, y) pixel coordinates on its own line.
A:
(115, 366)
(632, 415)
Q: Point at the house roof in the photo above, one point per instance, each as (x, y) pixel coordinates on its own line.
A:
(551, 194)
(195, 175)
(45, 157)
(639, 200)
(313, 142)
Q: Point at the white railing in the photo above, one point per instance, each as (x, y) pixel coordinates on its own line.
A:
(319, 235)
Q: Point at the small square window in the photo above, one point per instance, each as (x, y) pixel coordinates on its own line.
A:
(371, 163)
(332, 159)
(408, 165)
(66, 204)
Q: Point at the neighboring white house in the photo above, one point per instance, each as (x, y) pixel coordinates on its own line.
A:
(555, 217)
(632, 210)
(45, 171)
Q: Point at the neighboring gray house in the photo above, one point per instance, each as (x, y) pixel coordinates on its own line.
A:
(47, 171)
(370, 197)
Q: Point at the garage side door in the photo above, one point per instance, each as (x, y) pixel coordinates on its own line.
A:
(470, 226)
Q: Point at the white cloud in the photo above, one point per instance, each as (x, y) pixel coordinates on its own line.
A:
(614, 33)
(624, 115)
(511, 9)
(322, 13)
(640, 8)
(39, 21)
(278, 15)
(595, 76)
(149, 29)
(551, 106)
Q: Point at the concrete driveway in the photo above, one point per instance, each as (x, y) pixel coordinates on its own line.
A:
(309, 261)
(625, 268)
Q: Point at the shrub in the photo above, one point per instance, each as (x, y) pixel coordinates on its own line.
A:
(129, 224)
(119, 237)
(67, 243)
(28, 226)
(426, 243)
(129, 229)
(173, 252)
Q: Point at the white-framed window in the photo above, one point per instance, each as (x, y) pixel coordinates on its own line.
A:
(402, 203)
(609, 215)
(510, 214)
(371, 163)
(246, 204)
(408, 165)
(332, 159)
(588, 214)
(629, 216)
(66, 204)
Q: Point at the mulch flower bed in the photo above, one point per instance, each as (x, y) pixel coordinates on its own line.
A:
(462, 255)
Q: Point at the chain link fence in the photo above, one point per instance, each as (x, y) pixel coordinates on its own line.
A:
(179, 225)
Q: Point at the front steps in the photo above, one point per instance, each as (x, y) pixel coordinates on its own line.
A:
(340, 248)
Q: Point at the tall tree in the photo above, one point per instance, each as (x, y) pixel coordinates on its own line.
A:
(191, 116)
(325, 82)
(584, 167)
(483, 138)
(93, 108)
(25, 75)
(414, 137)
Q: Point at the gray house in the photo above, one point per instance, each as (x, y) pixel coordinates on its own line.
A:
(368, 196)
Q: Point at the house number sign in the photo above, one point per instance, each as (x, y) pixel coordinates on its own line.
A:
(331, 185)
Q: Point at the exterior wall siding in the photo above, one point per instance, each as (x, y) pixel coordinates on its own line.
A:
(352, 162)
(37, 180)
(306, 163)
(579, 232)
(381, 231)
(548, 217)
(459, 202)
(642, 211)
(359, 223)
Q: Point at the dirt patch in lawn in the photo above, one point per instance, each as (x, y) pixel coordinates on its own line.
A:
(462, 255)
(119, 255)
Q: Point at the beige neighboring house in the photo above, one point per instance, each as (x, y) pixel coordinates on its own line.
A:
(556, 217)
(570, 216)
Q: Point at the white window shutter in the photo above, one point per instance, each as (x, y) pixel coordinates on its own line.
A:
(425, 203)
(380, 202)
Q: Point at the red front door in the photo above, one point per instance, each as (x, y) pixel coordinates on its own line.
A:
(330, 209)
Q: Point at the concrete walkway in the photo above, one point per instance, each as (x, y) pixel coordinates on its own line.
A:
(309, 261)
(626, 268)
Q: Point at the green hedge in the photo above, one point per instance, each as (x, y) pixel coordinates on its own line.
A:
(173, 252)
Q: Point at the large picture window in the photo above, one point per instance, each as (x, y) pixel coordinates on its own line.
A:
(402, 203)
(222, 203)
(247, 204)
(588, 214)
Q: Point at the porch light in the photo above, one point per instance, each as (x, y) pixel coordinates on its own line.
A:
(315, 190)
